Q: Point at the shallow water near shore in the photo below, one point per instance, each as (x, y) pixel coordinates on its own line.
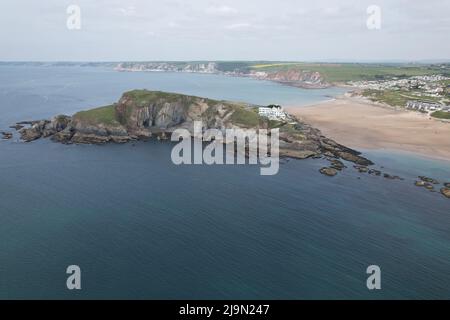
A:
(141, 227)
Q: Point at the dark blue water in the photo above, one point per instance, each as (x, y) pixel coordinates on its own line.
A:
(141, 227)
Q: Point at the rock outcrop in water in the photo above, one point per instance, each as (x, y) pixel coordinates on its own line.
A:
(331, 172)
(446, 192)
(141, 114)
(6, 135)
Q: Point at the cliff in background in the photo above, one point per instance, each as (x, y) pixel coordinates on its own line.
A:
(292, 76)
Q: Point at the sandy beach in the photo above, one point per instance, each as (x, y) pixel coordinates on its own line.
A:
(358, 124)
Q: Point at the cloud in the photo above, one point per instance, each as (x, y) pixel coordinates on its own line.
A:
(331, 11)
(224, 29)
(237, 26)
(173, 24)
(221, 11)
(129, 11)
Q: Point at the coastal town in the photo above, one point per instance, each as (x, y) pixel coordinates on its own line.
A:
(206, 67)
(433, 85)
(427, 94)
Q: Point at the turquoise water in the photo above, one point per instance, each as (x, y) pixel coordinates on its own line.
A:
(141, 227)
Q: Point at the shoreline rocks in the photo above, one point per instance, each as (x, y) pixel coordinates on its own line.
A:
(430, 183)
(361, 169)
(429, 180)
(446, 192)
(331, 172)
(16, 127)
(6, 135)
(338, 165)
(391, 177)
(420, 183)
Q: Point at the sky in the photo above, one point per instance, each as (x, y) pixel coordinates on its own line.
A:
(281, 30)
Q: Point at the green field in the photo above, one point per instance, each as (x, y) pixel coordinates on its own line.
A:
(245, 116)
(143, 97)
(441, 115)
(396, 97)
(103, 115)
(344, 72)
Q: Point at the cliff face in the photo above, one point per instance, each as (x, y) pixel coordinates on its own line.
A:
(299, 78)
(140, 114)
(144, 112)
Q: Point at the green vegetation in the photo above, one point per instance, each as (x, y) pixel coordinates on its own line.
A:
(103, 115)
(396, 97)
(292, 130)
(230, 66)
(274, 65)
(273, 124)
(144, 97)
(242, 114)
(247, 117)
(343, 72)
(441, 115)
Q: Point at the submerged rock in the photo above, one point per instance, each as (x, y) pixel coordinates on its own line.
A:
(375, 172)
(298, 154)
(338, 165)
(391, 177)
(328, 171)
(355, 158)
(426, 185)
(429, 180)
(6, 135)
(446, 192)
(361, 169)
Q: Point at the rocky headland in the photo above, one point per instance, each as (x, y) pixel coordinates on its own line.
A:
(294, 77)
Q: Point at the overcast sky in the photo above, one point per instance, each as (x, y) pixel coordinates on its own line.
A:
(113, 30)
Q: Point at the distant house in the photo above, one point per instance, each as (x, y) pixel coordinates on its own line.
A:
(273, 112)
(423, 106)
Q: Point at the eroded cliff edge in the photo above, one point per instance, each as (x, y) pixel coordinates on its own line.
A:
(141, 114)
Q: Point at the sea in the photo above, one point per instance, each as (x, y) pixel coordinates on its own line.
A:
(140, 227)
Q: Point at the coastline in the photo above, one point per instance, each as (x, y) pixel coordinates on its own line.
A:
(357, 123)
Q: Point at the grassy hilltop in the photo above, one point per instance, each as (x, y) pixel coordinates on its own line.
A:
(241, 113)
(340, 72)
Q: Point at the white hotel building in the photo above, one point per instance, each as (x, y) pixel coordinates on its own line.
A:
(272, 112)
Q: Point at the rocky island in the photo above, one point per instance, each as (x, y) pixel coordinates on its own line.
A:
(141, 114)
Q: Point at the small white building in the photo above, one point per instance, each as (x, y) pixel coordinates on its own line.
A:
(423, 106)
(272, 112)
